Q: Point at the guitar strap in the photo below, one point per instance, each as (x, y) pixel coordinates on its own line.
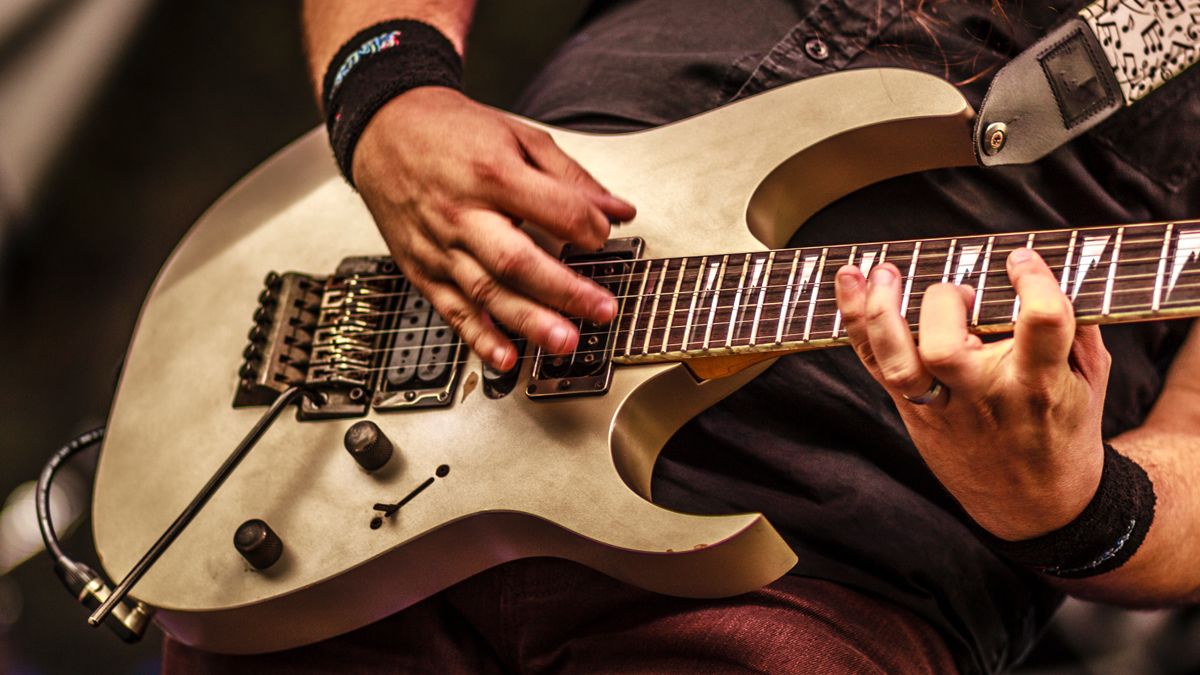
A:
(1108, 57)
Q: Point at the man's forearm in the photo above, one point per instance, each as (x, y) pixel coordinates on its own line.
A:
(328, 24)
(1167, 446)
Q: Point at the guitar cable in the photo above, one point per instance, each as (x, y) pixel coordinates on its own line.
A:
(128, 620)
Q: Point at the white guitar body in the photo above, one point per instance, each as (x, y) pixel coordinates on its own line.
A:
(565, 477)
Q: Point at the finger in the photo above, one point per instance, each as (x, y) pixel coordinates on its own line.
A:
(556, 206)
(511, 256)
(950, 353)
(890, 336)
(850, 289)
(467, 321)
(545, 154)
(1089, 356)
(1046, 323)
(545, 327)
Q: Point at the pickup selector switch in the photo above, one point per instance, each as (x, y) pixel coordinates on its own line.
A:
(258, 543)
(367, 445)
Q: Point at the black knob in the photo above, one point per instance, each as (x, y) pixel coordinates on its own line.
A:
(273, 281)
(267, 298)
(258, 334)
(252, 352)
(367, 445)
(262, 316)
(258, 543)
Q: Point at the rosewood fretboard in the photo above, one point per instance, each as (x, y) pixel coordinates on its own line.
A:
(783, 300)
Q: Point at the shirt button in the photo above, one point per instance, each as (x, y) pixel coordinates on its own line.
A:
(816, 49)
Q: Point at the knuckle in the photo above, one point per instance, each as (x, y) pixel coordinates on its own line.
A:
(483, 290)
(903, 376)
(459, 318)
(937, 355)
(1045, 317)
(511, 262)
(488, 171)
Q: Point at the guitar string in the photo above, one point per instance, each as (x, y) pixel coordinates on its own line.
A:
(357, 370)
(1168, 304)
(740, 322)
(968, 239)
(823, 283)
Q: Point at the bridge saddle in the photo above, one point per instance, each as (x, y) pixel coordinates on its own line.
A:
(364, 337)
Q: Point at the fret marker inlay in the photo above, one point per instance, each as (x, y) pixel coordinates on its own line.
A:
(1093, 250)
(1186, 252)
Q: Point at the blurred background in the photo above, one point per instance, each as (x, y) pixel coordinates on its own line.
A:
(120, 122)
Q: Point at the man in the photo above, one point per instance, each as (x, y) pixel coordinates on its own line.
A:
(901, 474)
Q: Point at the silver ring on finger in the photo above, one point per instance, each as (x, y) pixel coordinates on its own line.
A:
(935, 390)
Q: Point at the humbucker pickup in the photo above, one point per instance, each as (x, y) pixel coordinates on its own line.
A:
(364, 336)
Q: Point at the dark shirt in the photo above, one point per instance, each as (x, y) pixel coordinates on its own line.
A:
(815, 443)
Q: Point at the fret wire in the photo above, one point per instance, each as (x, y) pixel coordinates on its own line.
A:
(1162, 265)
(674, 300)
(1112, 270)
(787, 295)
(908, 281)
(712, 314)
(762, 295)
(637, 308)
(687, 329)
(662, 276)
(987, 258)
(816, 288)
(837, 319)
(949, 261)
(1017, 298)
(737, 300)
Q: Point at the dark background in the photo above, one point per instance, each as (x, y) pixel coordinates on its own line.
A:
(206, 91)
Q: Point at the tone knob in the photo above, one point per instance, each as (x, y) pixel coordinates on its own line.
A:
(258, 543)
(367, 445)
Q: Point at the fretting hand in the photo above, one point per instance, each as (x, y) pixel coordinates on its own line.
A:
(446, 179)
(1015, 433)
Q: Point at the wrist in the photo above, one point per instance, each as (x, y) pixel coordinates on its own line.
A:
(1103, 536)
(379, 64)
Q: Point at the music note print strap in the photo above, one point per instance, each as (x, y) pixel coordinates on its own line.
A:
(1111, 55)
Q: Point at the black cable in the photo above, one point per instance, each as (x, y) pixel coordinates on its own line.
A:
(75, 575)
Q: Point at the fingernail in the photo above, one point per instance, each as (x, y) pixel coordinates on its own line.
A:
(882, 276)
(848, 280)
(1020, 255)
(499, 355)
(558, 339)
(605, 310)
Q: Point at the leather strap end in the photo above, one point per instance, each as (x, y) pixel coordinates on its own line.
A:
(1045, 97)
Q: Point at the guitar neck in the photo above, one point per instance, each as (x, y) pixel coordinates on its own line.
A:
(783, 300)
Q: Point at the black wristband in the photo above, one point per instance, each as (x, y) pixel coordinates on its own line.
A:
(1103, 537)
(373, 67)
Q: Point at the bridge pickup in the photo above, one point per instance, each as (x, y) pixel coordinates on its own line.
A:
(587, 371)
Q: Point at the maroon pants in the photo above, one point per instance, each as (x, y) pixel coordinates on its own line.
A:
(544, 615)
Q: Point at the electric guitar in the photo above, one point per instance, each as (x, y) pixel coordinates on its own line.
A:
(419, 466)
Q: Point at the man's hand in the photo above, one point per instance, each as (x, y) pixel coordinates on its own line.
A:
(1016, 439)
(446, 180)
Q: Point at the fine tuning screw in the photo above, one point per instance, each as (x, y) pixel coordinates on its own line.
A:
(367, 444)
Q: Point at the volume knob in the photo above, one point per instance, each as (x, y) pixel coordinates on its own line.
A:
(258, 543)
(367, 445)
